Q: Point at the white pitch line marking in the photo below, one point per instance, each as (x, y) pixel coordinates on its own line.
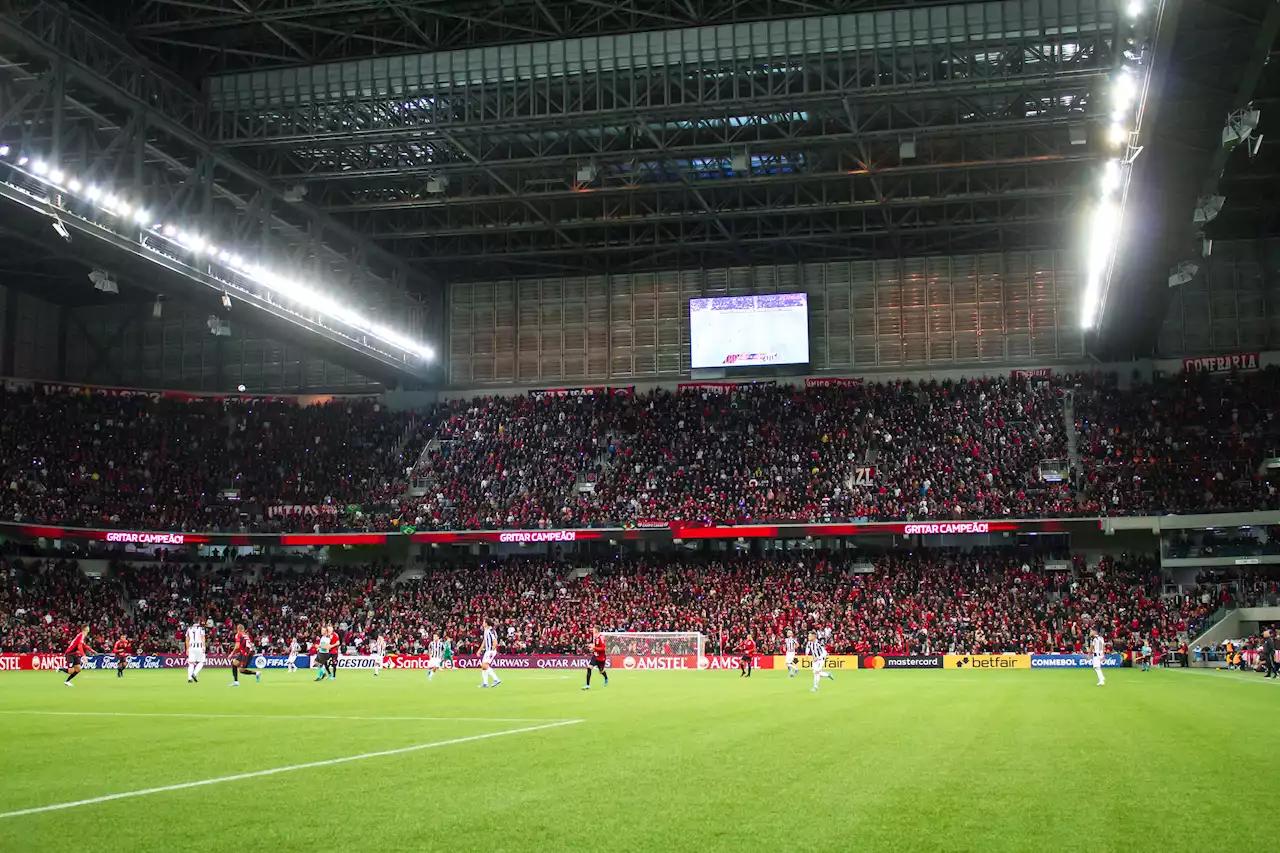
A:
(1239, 677)
(286, 717)
(288, 769)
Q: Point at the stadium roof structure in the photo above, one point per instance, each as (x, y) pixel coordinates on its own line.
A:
(401, 146)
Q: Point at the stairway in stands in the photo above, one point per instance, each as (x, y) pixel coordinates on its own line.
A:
(1073, 437)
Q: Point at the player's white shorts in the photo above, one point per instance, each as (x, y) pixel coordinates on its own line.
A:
(195, 656)
(433, 663)
(818, 664)
(791, 659)
(487, 658)
(292, 659)
(1098, 661)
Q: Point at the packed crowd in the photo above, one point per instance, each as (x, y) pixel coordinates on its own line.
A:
(876, 451)
(917, 603)
(199, 464)
(969, 449)
(1187, 443)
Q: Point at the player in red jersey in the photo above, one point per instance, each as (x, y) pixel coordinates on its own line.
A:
(747, 659)
(78, 648)
(335, 646)
(598, 658)
(242, 657)
(122, 649)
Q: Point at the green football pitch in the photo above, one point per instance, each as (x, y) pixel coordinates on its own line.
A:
(657, 761)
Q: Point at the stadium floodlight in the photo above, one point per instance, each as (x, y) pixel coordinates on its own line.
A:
(1183, 273)
(1134, 9)
(306, 298)
(1100, 246)
(1118, 134)
(1112, 177)
(103, 281)
(1208, 207)
(1240, 126)
(1124, 91)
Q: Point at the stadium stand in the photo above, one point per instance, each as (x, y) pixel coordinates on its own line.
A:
(924, 602)
(939, 451)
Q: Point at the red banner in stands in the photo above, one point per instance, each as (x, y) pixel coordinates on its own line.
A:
(833, 382)
(646, 529)
(722, 387)
(593, 391)
(1223, 363)
(111, 391)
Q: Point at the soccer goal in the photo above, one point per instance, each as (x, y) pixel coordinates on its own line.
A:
(656, 643)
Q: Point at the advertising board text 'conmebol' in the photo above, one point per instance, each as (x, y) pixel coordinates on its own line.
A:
(539, 536)
(948, 527)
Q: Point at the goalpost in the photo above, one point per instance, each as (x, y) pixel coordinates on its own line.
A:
(655, 643)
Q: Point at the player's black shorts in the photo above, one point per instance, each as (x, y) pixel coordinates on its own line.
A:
(598, 663)
(322, 658)
(243, 661)
(73, 660)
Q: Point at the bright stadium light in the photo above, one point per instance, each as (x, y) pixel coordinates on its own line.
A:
(1100, 246)
(1112, 177)
(1134, 9)
(305, 298)
(1125, 91)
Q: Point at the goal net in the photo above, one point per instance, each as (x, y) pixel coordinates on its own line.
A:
(654, 643)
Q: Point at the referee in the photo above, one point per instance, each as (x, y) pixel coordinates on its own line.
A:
(1269, 653)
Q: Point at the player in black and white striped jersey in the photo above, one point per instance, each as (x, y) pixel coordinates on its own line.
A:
(435, 655)
(790, 646)
(817, 650)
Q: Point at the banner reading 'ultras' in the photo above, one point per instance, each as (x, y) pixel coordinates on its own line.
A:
(1222, 363)
(1071, 661)
(987, 662)
(901, 662)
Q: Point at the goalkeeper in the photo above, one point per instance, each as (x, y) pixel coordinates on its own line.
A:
(598, 658)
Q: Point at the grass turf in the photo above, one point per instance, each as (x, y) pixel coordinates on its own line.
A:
(949, 761)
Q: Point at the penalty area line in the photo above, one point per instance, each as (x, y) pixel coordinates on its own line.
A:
(328, 762)
(180, 715)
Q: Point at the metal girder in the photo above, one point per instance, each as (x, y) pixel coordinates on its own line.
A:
(658, 95)
(658, 172)
(237, 38)
(828, 223)
(737, 199)
(106, 86)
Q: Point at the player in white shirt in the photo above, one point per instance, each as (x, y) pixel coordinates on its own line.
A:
(818, 652)
(378, 648)
(294, 648)
(1099, 649)
(195, 652)
(435, 655)
(488, 651)
(789, 647)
